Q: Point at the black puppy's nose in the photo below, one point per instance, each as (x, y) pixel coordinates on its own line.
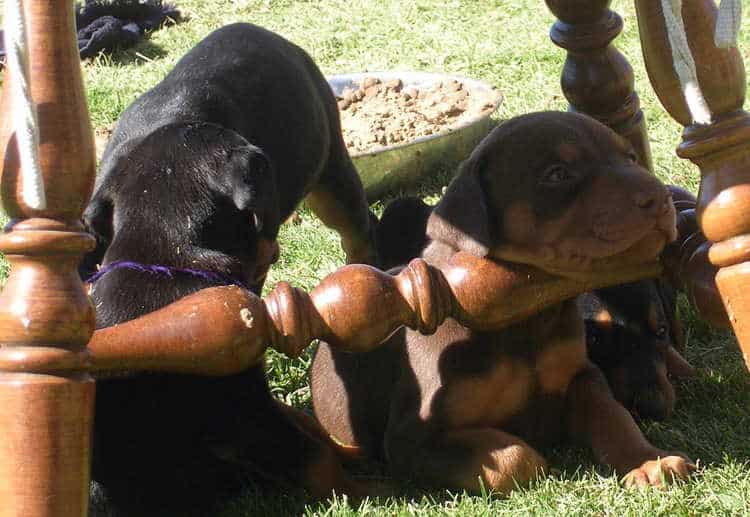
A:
(651, 404)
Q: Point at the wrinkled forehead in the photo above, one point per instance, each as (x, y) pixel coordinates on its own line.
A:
(552, 137)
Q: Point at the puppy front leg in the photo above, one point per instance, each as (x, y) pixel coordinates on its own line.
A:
(339, 201)
(597, 420)
(285, 446)
(466, 459)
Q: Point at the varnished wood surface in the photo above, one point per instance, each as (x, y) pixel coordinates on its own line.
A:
(721, 149)
(67, 142)
(222, 330)
(45, 417)
(687, 265)
(44, 451)
(596, 78)
(720, 71)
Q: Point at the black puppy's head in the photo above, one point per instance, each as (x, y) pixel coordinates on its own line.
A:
(559, 191)
(633, 334)
(191, 195)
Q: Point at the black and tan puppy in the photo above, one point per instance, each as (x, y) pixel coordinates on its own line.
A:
(463, 408)
(194, 183)
(633, 332)
(634, 335)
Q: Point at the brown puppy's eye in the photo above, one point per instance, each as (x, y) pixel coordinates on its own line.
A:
(633, 157)
(556, 174)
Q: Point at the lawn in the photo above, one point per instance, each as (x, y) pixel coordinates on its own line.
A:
(504, 42)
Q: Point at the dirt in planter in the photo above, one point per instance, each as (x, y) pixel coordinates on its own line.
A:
(379, 114)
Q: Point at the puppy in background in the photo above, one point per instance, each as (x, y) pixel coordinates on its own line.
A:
(193, 185)
(634, 335)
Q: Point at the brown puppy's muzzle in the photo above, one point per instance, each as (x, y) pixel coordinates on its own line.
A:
(656, 203)
(630, 213)
(624, 218)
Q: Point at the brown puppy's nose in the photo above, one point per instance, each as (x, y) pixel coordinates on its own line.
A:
(644, 200)
(652, 201)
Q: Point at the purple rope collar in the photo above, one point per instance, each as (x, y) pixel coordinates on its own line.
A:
(165, 271)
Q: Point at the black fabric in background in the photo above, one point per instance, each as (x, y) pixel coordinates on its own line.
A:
(104, 26)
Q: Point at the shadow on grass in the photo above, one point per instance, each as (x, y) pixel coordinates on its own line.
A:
(143, 52)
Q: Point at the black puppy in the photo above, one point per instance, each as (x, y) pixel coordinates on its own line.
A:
(633, 331)
(194, 183)
(401, 233)
(634, 334)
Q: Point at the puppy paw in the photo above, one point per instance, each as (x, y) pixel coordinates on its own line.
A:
(658, 472)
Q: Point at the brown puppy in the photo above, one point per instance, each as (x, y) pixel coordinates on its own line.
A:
(633, 331)
(465, 409)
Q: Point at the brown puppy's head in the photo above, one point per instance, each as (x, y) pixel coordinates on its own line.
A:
(633, 334)
(559, 191)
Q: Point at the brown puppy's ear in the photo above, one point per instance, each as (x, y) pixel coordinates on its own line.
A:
(461, 218)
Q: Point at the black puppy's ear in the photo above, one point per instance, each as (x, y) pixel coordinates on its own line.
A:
(461, 218)
(97, 220)
(253, 188)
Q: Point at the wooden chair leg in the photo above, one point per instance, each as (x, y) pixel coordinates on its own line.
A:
(597, 79)
(705, 91)
(45, 316)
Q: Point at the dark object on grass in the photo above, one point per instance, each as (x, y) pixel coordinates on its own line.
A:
(401, 234)
(105, 26)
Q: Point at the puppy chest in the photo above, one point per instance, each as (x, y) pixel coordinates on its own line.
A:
(490, 398)
(513, 384)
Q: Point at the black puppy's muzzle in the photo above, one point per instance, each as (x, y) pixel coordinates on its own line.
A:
(651, 403)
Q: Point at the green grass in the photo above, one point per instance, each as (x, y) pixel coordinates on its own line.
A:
(506, 43)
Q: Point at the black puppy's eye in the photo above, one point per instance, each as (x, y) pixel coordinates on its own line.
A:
(556, 174)
(661, 332)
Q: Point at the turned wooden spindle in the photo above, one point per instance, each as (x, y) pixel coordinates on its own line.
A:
(686, 262)
(597, 79)
(45, 416)
(223, 330)
(720, 146)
